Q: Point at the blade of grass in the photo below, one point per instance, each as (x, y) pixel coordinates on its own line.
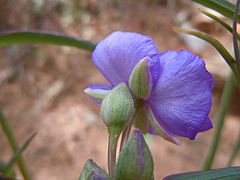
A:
(18, 154)
(13, 143)
(234, 151)
(218, 46)
(220, 21)
(223, 7)
(224, 107)
(234, 33)
(41, 37)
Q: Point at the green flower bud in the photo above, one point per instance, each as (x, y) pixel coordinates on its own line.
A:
(117, 108)
(91, 171)
(140, 80)
(135, 160)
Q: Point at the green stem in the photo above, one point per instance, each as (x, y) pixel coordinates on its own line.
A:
(112, 149)
(234, 151)
(224, 107)
(13, 143)
(127, 130)
(125, 134)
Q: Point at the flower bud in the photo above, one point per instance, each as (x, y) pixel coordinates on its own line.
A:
(91, 171)
(135, 161)
(140, 80)
(117, 108)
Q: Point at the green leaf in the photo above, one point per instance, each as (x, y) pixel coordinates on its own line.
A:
(235, 151)
(232, 173)
(3, 166)
(223, 110)
(220, 21)
(223, 7)
(18, 154)
(40, 37)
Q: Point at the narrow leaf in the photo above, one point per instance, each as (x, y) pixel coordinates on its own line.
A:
(18, 154)
(223, 110)
(40, 37)
(220, 21)
(216, 174)
(222, 6)
(235, 151)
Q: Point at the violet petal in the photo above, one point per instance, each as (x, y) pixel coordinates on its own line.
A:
(182, 98)
(117, 55)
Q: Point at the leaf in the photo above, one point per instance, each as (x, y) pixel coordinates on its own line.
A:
(222, 6)
(220, 21)
(40, 37)
(18, 154)
(231, 173)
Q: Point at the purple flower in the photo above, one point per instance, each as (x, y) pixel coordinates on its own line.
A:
(180, 97)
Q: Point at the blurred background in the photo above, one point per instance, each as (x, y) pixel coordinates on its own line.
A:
(41, 86)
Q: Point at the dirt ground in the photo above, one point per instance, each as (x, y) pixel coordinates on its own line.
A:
(41, 87)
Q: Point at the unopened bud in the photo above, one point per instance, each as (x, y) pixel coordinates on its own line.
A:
(91, 171)
(117, 108)
(135, 161)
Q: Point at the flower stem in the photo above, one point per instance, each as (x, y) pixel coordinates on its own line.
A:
(13, 143)
(125, 134)
(224, 107)
(127, 130)
(112, 149)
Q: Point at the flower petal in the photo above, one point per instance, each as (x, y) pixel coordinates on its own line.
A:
(182, 98)
(117, 55)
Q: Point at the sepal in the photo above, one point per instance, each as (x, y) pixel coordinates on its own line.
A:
(140, 81)
(97, 94)
(91, 171)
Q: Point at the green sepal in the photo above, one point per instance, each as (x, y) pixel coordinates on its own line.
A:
(91, 171)
(140, 80)
(96, 94)
(117, 108)
(135, 160)
(140, 119)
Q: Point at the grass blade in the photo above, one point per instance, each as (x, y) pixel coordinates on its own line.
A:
(220, 21)
(235, 151)
(41, 37)
(18, 154)
(224, 107)
(13, 143)
(222, 6)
